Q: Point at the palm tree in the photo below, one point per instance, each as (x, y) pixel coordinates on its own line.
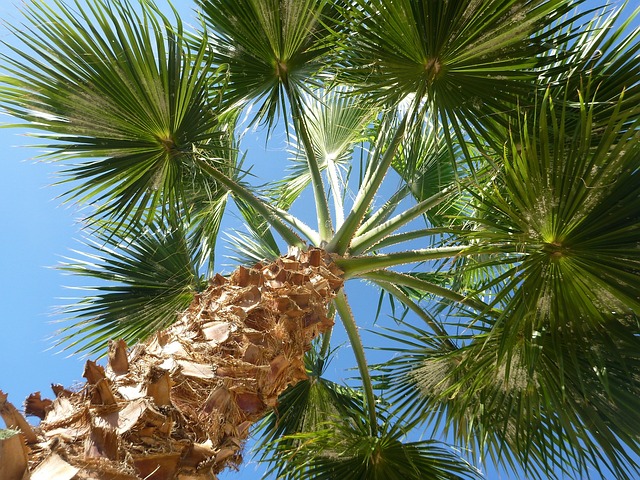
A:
(475, 161)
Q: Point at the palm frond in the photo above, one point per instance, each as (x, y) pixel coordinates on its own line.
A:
(205, 200)
(142, 283)
(268, 47)
(471, 61)
(336, 122)
(514, 410)
(347, 449)
(604, 59)
(250, 248)
(117, 87)
(426, 164)
(573, 208)
(304, 409)
(551, 382)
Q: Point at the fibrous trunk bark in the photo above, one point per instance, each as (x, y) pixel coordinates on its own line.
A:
(179, 406)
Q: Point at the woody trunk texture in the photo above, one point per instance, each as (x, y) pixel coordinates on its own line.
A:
(179, 406)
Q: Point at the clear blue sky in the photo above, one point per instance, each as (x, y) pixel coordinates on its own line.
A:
(36, 232)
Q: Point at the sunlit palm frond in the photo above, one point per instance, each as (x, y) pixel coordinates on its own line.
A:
(546, 383)
(249, 248)
(257, 243)
(336, 123)
(510, 129)
(205, 207)
(514, 410)
(205, 200)
(116, 87)
(569, 204)
(573, 208)
(603, 62)
(412, 346)
(269, 47)
(428, 166)
(142, 283)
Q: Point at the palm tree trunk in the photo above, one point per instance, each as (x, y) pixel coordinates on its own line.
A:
(179, 406)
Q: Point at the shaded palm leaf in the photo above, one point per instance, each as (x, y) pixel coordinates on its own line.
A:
(305, 408)
(142, 284)
(425, 163)
(116, 87)
(551, 383)
(514, 411)
(603, 59)
(573, 209)
(348, 450)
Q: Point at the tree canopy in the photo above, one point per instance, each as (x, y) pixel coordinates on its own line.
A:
(475, 162)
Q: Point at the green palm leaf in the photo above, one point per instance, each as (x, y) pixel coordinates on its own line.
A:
(551, 382)
(271, 48)
(603, 59)
(143, 282)
(347, 449)
(250, 248)
(336, 123)
(483, 160)
(425, 163)
(471, 61)
(304, 409)
(205, 200)
(514, 410)
(118, 88)
(574, 209)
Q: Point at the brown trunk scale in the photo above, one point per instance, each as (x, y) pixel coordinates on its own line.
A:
(179, 405)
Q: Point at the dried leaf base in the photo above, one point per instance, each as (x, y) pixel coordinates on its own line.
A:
(180, 405)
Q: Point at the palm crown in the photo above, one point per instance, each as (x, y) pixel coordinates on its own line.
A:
(476, 161)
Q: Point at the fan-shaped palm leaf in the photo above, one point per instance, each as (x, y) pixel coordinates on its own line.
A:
(549, 383)
(424, 162)
(336, 122)
(305, 408)
(143, 282)
(471, 61)
(348, 450)
(573, 208)
(271, 48)
(118, 88)
(603, 59)
(516, 411)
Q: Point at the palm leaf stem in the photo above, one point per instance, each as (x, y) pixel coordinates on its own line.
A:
(358, 266)
(408, 236)
(413, 306)
(312, 235)
(261, 207)
(325, 227)
(351, 327)
(342, 239)
(395, 278)
(386, 210)
(336, 192)
(364, 242)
